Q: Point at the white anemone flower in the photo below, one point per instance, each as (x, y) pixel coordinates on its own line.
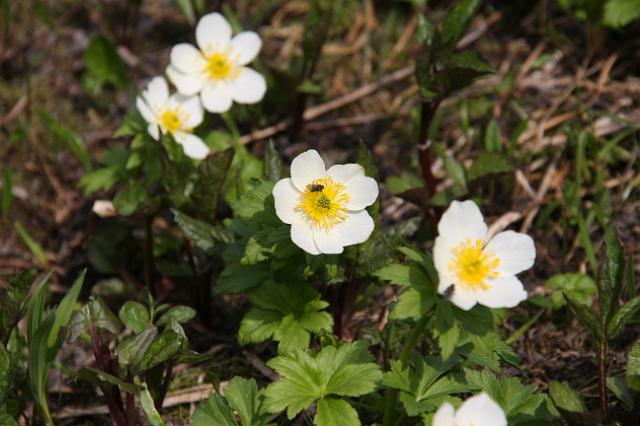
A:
(216, 68)
(325, 208)
(473, 269)
(479, 410)
(176, 114)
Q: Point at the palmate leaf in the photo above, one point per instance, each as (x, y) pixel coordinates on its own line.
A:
(286, 313)
(346, 370)
(241, 398)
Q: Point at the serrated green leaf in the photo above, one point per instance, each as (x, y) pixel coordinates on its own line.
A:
(243, 396)
(214, 411)
(100, 179)
(163, 348)
(587, 317)
(457, 20)
(253, 202)
(236, 278)
(336, 412)
(306, 377)
(103, 62)
(129, 198)
(565, 397)
(131, 349)
(134, 316)
(211, 176)
(288, 313)
(622, 316)
(579, 287)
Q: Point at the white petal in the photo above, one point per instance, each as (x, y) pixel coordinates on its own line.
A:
(157, 93)
(503, 292)
(213, 33)
(305, 168)
(286, 197)
(516, 252)
(462, 220)
(480, 410)
(343, 172)
(302, 236)
(145, 111)
(154, 131)
(215, 98)
(249, 87)
(445, 416)
(442, 257)
(463, 298)
(186, 58)
(192, 113)
(362, 191)
(328, 242)
(187, 84)
(355, 229)
(246, 46)
(193, 146)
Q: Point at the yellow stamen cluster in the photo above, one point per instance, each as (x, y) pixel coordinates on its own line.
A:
(473, 265)
(323, 203)
(220, 66)
(170, 121)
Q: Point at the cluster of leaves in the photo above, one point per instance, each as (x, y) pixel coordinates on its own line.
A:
(610, 13)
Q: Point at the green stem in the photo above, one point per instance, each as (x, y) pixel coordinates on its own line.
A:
(410, 344)
(523, 329)
(235, 134)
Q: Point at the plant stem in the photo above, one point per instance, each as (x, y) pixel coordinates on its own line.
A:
(602, 369)
(427, 112)
(411, 342)
(523, 329)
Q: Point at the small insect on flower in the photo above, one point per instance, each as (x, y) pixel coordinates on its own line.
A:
(315, 188)
(474, 269)
(325, 208)
(216, 69)
(176, 114)
(479, 410)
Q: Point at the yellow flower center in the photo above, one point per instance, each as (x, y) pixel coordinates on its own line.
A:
(323, 203)
(170, 121)
(473, 265)
(220, 66)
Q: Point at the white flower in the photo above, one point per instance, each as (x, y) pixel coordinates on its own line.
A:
(473, 270)
(325, 208)
(216, 69)
(176, 114)
(479, 410)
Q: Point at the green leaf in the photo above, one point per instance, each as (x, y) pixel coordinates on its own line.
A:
(288, 313)
(272, 162)
(611, 273)
(336, 412)
(633, 367)
(36, 309)
(186, 8)
(100, 179)
(95, 376)
(618, 386)
(618, 13)
(587, 317)
(243, 396)
(419, 294)
(132, 349)
(306, 377)
(103, 62)
(236, 278)
(579, 287)
(129, 198)
(13, 302)
(134, 316)
(7, 193)
(566, 398)
(146, 402)
(203, 234)
(182, 314)
(163, 348)
(7, 420)
(62, 135)
(622, 316)
(455, 171)
(214, 411)
(457, 20)
(211, 175)
(33, 245)
(6, 374)
(252, 202)
(63, 315)
(489, 163)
